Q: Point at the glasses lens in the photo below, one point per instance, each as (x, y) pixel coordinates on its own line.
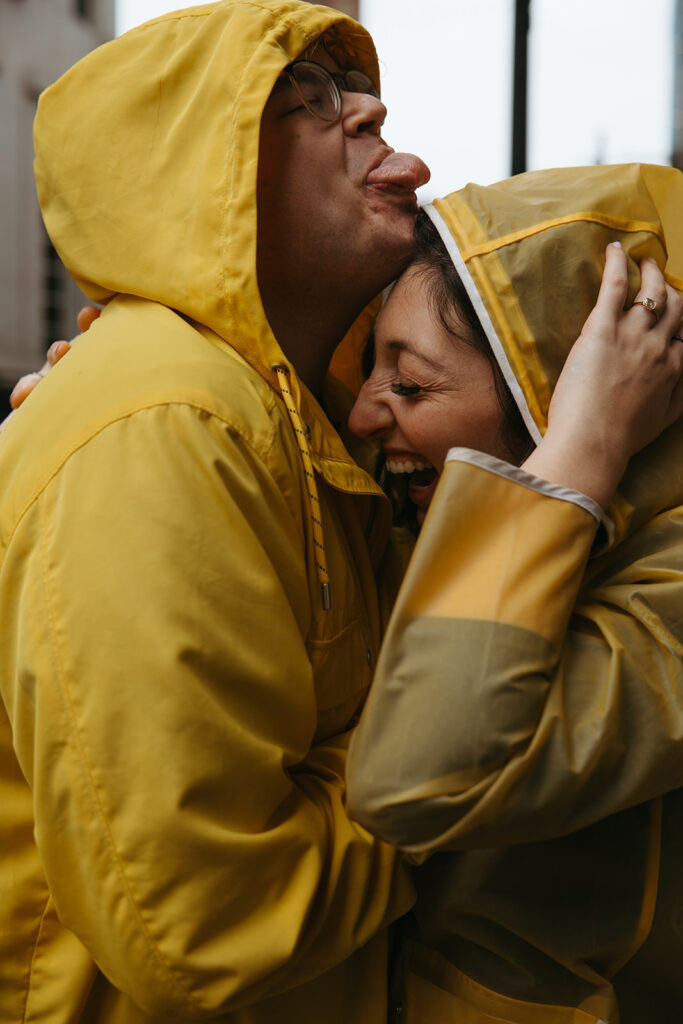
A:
(317, 90)
(358, 81)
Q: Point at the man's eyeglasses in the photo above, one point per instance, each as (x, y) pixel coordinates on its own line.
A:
(320, 90)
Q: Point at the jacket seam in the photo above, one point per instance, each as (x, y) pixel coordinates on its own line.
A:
(183, 15)
(328, 641)
(24, 1016)
(582, 216)
(262, 455)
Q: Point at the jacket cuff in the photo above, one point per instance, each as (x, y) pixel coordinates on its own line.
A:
(520, 476)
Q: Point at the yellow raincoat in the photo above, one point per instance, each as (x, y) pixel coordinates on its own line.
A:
(527, 710)
(176, 701)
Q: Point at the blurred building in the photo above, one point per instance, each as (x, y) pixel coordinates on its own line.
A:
(39, 40)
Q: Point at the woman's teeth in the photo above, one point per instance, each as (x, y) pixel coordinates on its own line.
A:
(406, 465)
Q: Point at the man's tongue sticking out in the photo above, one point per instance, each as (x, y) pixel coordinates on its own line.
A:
(400, 170)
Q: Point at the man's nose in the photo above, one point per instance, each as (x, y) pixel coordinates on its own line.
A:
(370, 416)
(362, 112)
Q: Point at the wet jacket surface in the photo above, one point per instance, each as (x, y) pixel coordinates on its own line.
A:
(526, 720)
(176, 702)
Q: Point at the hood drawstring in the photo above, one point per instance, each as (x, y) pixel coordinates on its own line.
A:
(301, 434)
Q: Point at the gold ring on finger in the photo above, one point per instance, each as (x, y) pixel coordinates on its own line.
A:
(649, 304)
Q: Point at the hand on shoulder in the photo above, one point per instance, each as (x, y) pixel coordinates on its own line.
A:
(26, 384)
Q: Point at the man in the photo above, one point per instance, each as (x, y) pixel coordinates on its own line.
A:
(191, 558)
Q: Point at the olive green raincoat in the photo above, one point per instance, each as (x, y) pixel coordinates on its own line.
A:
(176, 699)
(527, 710)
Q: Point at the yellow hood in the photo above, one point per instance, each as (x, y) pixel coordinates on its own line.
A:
(153, 193)
(530, 251)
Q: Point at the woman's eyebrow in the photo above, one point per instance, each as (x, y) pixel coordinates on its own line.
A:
(398, 345)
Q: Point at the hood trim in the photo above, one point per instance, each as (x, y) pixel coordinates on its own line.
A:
(485, 321)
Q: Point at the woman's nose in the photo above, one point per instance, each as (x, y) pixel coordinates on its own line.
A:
(370, 416)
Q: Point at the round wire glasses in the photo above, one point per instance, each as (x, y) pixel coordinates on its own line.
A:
(320, 90)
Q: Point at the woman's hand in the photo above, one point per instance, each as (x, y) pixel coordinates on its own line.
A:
(620, 387)
(58, 349)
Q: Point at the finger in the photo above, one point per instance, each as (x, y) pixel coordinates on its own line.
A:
(670, 320)
(675, 409)
(56, 350)
(614, 284)
(669, 323)
(86, 317)
(24, 387)
(652, 288)
(3, 423)
(675, 356)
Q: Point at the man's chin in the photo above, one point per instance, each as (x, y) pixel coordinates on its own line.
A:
(394, 231)
(391, 201)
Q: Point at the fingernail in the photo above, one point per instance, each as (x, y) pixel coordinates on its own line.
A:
(23, 383)
(617, 245)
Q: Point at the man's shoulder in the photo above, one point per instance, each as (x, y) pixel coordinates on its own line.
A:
(141, 353)
(139, 358)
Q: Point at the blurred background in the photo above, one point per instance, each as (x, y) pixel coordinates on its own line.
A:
(479, 89)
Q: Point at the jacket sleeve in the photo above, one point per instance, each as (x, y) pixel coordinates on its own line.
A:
(193, 836)
(512, 702)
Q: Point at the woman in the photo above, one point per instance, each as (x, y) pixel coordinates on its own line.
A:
(527, 709)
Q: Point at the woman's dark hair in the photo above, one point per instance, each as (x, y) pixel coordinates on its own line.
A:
(452, 306)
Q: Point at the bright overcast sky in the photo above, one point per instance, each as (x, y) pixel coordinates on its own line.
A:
(600, 82)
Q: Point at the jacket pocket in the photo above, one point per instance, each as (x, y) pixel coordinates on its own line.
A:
(435, 992)
(342, 669)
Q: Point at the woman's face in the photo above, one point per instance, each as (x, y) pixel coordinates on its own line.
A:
(428, 391)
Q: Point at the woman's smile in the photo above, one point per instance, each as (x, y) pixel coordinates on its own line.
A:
(429, 390)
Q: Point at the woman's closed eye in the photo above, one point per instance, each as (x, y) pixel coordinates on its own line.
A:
(405, 390)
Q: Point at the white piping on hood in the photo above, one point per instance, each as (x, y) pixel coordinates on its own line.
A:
(485, 321)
